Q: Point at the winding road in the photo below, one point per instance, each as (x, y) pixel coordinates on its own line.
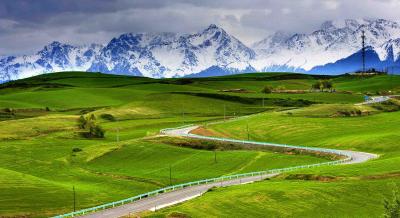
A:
(160, 200)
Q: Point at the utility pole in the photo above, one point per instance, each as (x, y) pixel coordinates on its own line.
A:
(170, 175)
(248, 134)
(363, 50)
(74, 195)
(224, 112)
(117, 134)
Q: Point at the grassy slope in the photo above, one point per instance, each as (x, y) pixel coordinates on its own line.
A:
(38, 166)
(356, 190)
(36, 153)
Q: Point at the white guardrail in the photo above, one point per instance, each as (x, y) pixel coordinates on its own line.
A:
(217, 179)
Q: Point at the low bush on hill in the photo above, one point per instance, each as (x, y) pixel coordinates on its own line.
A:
(108, 117)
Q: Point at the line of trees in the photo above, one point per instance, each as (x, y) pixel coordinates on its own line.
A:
(91, 128)
(322, 85)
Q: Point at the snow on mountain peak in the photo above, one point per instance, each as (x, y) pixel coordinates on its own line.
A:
(210, 50)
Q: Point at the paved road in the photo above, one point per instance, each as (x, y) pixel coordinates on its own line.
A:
(377, 99)
(174, 197)
(170, 198)
(356, 156)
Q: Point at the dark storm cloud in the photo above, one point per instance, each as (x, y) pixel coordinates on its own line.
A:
(27, 25)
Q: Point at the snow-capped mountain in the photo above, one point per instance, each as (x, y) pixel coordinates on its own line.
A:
(334, 41)
(52, 58)
(333, 48)
(171, 55)
(142, 54)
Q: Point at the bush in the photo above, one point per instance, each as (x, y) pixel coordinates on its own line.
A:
(317, 85)
(322, 84)
(108, 117)
(177, 215)
(392, 206)
(9, 110)
(267, 89)
(82, 122)
(96, 132)
(76, 149)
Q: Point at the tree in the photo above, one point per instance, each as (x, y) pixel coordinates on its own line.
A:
(327, 84)
(89, 124)
(92, 117)
(96, 131)
(317, 85)
(82, 122)
(392, 207)
(267, 89)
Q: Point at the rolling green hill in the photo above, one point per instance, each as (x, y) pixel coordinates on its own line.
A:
(40, 142)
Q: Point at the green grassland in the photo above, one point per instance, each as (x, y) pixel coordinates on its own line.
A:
(39, 130)
(341, 191)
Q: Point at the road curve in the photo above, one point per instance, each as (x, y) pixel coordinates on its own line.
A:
(356, 156)
(173, 197)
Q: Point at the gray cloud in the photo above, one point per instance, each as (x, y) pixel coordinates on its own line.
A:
(25, 25)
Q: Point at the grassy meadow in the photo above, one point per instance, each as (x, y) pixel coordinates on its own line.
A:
(43, 153)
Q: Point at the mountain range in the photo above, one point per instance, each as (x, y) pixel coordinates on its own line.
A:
(332, 49)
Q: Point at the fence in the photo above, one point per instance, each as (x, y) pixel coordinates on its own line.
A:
(217, 179)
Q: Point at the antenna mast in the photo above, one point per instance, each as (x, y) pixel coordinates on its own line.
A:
(363, 50)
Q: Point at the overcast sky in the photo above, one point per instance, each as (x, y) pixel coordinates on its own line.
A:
(27, 25)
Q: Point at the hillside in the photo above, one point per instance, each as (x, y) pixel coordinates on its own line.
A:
(44, 153)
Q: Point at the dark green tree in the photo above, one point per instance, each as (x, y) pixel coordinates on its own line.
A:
(327, 84)
(93, 130)
(317, 85)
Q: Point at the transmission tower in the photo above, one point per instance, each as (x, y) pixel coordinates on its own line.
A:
(363, 50)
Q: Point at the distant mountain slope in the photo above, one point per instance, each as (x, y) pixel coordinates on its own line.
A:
(332, 42)
(332, 49)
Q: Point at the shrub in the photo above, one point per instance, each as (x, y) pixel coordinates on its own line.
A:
(322, 84)
(267, 89)
(108, 117)
(9, 110)
(76, 149)
(96, 132)
(317, 85)
(392, 206)
(177, 215)
(82, 122)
